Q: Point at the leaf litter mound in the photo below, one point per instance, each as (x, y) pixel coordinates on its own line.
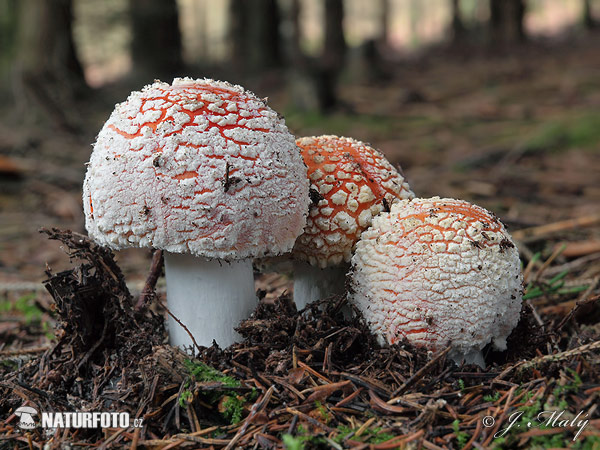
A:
(309, 379)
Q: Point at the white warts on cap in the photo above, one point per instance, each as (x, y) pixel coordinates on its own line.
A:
(438, 272)
(351, 183)
(199, 166)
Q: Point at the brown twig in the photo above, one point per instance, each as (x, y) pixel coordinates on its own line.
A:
(25, 351)
(136, 438)
(584, 300)
(560, 356)
(155, 270)
(185, 328)
(540, 232)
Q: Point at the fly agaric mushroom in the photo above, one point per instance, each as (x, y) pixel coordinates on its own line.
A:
(438, 272)
(350, 184)
(209, 173)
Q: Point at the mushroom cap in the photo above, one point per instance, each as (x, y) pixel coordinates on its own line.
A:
(438, 272)
(199, 166)
(350, 184)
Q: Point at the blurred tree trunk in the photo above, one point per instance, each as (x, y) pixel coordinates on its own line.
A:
(238, 30)
(507, 22)
(372, 65)
(334, 50)
(297, 56)
(588, 18)
(263, 35)
(457, 26)
(156, 41)
(313, 80)
(8, 41)
(327, 70)
(254, 34)
(384, 22)
(48, 73)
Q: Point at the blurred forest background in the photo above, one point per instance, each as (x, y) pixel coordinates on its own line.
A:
(494, 101)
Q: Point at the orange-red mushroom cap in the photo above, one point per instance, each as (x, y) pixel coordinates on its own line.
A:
(199, 166)
(351, 183)
(438, 272)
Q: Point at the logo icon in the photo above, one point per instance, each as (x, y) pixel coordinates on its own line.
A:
(26, 413)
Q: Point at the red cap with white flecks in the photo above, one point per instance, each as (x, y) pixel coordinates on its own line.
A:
(351, 183)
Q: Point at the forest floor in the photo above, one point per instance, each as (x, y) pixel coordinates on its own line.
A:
(517, 134)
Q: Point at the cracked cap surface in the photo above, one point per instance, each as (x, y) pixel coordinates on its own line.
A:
(438, 272)
(351, 183)
(199, 166)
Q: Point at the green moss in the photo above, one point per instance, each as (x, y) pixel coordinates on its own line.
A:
(233, 408)
(589, 443)
(233, 403)
(372, 436)
(204, 373)
(185, 398)
(323, 412)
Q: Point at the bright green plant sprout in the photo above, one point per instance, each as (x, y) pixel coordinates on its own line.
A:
(461, 437)
(492, 398)
(554, 286)
(373, 435)
(292, 442)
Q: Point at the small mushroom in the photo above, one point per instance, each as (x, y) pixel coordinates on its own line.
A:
(438, 272)
(209, 173)
(350, 184)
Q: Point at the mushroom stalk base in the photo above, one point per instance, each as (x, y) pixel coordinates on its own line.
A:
(313, 283)
(470, 357)
(210, 297)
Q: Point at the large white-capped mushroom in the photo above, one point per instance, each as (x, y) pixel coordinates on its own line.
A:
(350, 183)
(438, 272)
(209, 173)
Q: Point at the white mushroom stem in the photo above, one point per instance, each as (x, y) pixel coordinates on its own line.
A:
(313, 283)
(472, 357)
(210, 297)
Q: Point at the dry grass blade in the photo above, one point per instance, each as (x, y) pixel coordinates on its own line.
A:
(592, 346)
(542, 231)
